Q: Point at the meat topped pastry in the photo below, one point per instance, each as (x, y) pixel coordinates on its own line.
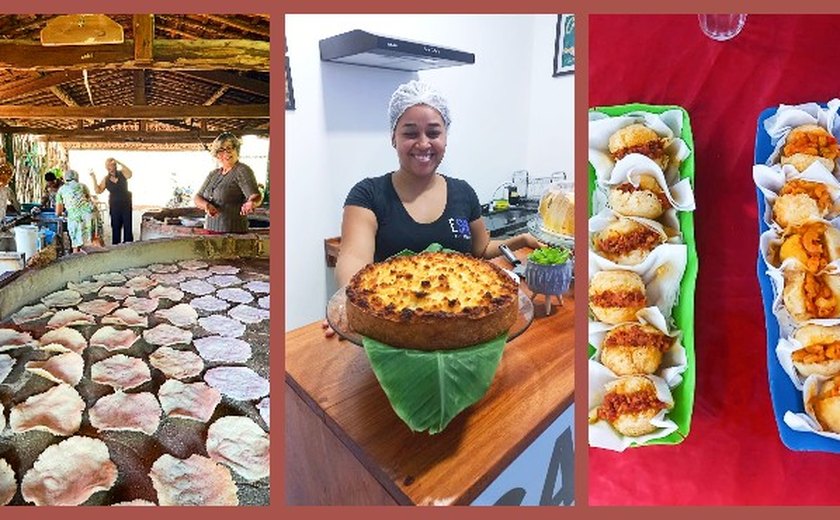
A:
(814, 244)
(800, 201)
(637, 138)
(807, 144)
(627, 242)
(826, 404)
(808, 296)
(616, 296)
(820, 352)
(629, 405)
(634, 348)
(432, 301)
(646, 200)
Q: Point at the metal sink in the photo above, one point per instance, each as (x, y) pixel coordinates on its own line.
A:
(508, 222)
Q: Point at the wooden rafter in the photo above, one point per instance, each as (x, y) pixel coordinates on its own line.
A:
(64, 96)
(128, 136)
(135, 112)
(98, 126)
(216, 95)
(176, 32)
(197, 27)
(168, 55)
(140, 87)
(16, 89)
(239, 25)
(179, 124)
(144, 36)
(221, 77)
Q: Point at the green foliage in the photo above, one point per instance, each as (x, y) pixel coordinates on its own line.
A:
(427, 389)
(549, 255)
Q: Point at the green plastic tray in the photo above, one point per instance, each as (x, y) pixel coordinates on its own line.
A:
(684, 310)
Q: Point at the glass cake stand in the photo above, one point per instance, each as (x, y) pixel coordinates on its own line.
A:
(536, 228)
(337, 317)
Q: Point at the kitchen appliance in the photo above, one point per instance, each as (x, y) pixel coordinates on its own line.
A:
(363, 48)
(518, 268)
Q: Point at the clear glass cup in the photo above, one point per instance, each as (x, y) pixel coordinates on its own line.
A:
(721, 27)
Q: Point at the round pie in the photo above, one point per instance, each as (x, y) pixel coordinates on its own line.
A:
(432, 301)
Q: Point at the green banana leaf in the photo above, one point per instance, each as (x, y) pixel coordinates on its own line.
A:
(427, 389)
(434, 247)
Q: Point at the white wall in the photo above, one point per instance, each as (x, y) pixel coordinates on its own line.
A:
(508, 114)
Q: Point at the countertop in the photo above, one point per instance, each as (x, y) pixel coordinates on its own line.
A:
(534, 383)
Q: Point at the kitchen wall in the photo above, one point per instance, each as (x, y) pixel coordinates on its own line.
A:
(508, 114)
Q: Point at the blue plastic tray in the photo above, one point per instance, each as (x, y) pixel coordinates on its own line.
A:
(783, 393)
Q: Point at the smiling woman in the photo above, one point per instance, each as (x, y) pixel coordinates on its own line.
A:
(230, 192)
(415, 205)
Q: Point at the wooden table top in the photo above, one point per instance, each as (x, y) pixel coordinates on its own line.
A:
(532, 386)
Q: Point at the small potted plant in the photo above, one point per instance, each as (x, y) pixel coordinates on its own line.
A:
(548, 271)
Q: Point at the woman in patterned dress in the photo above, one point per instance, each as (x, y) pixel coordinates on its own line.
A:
(83, 224)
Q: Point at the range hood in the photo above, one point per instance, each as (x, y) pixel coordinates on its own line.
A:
(363, 48)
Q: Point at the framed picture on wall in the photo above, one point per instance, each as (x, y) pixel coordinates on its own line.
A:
(290, 91)
(564, 45)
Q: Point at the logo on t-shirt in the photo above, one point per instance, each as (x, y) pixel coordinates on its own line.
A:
(460, 228)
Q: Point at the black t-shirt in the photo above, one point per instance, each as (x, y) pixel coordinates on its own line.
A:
(118, 195)
(397, 230)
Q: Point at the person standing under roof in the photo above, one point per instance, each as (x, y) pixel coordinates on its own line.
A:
(230, 191)
(119, 199)
(83, 223)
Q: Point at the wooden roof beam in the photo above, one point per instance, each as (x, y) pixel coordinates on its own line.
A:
(221, 77)
(167, 55)
(98, 126)
(144, 36)
(238, 25)
(216, 95)
(135, 112)
(29, 86)
(194, 26)
(176, 32)
(129, 136)
(140, 87)
(64, 96)
(177, 123)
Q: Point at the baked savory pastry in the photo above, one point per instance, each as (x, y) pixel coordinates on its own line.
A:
(808, 296)
(637, 138)
(634, 348)
(557, 210)
(645, 200)
(820, 352)
(627, 242)
(800, 201)
(826, 404)
(630, 402)
(432, 301)
(814, 244)
(616, 296)
(809, 143)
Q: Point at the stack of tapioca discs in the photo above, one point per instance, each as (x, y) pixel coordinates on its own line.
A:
(153, 350)
(636, 262)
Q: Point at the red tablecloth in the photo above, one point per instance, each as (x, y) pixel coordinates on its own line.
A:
(733, 454)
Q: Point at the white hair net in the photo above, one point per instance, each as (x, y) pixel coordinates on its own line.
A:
(71, 175)
(416, 93)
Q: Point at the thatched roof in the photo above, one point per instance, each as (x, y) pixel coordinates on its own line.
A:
(175, 79)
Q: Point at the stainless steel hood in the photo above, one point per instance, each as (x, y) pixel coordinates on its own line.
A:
(371, 50)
